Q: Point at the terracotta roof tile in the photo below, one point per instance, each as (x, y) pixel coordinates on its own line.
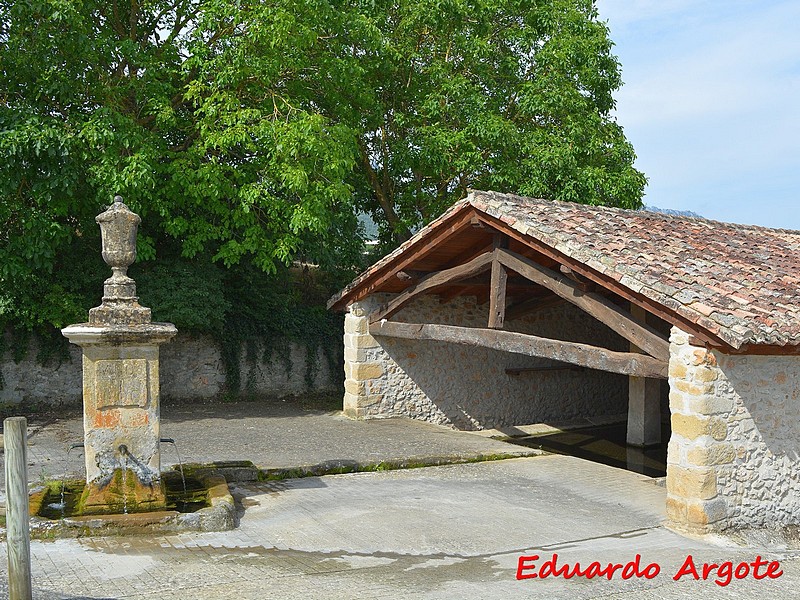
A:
(739, 282)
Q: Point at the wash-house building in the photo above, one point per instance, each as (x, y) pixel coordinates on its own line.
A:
(509, 311)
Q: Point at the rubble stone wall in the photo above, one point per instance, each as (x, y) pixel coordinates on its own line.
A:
(191, 368)
(467, 387)
(734, 456)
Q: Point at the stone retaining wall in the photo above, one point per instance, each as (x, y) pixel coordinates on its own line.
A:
(468, 387)
(191, 368)
(734, 457)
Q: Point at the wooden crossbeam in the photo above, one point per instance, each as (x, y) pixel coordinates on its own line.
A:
(477, 265)
(602, 309)
(584, 355)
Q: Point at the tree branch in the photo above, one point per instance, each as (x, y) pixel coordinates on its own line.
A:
(401, 231)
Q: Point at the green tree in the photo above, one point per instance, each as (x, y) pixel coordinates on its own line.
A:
(442, 95)
(99, 98)
(255, 130)
(508, 95)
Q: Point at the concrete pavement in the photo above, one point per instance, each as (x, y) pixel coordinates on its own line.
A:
(272, 435)
(455, 531)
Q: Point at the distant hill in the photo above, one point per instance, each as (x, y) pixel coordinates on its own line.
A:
(370, 228)
(670, 211)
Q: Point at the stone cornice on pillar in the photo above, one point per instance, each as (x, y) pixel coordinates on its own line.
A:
(85, 334)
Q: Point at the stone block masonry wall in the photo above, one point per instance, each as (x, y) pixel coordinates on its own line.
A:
(734, 457)
(191, 369)
(467, 387)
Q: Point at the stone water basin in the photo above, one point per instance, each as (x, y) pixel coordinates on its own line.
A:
(206, 506)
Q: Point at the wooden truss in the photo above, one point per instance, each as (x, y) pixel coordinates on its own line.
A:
(565, 287)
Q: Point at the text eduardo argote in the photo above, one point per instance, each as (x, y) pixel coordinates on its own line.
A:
(531, 567)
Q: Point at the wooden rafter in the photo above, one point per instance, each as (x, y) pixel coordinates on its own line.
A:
(584, 355)
(602, 309)
(477, 265)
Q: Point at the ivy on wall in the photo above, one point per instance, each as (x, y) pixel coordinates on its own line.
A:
(250, 314)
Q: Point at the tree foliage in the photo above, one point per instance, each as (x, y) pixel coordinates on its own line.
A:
(255, 130)
(505, 95)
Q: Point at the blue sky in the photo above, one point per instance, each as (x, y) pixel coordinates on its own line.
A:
(711, 103)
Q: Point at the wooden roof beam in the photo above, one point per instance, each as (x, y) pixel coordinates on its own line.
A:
(477, 265)
(605, 311)
(584, 355)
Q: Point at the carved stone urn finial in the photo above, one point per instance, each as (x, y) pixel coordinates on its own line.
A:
(118, 229)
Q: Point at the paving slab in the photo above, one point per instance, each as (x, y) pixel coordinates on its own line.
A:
(272, 435)
(454, 531)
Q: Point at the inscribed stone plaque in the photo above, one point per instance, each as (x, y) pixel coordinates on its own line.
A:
(121, 383)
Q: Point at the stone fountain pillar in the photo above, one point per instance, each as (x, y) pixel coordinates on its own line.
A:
(121, 408)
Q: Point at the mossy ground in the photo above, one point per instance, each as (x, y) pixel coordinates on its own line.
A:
(47, 505)
(339, 469)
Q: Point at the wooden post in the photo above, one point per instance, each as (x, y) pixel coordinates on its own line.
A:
(18, 535)
(644, 402)
(497, 296)
(497, 291)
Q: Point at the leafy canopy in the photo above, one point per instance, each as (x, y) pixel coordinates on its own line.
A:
(252, 132)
